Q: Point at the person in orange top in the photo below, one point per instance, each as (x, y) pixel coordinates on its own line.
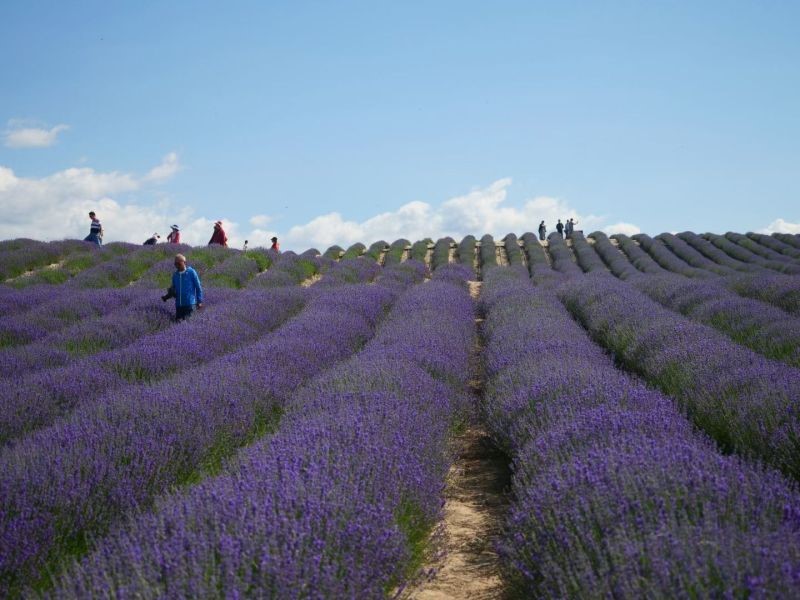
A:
(275, 246)
(218, 237)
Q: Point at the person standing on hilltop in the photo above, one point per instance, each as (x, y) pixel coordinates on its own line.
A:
(275, 245)
(174, 236)
(542, 231)
(560, 229)
(185, 288)
(570, 227)
(95, 231)
(218, 237)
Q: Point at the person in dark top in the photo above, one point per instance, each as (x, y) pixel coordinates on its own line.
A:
(152, 240)
(95, 231)
(569, 227)
(542, 231)
(560, 229)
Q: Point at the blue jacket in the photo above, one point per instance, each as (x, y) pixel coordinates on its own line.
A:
(186, 285)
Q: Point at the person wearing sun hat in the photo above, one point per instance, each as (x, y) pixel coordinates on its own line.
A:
(218, 237)
(174, 236)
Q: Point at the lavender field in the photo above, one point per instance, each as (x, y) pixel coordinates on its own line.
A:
(299, 436)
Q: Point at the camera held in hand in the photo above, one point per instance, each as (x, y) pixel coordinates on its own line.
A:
(170, 294)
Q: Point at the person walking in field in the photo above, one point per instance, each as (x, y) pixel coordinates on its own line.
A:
(95, 230)
(275, 245)
(560, 229)
(218, 237)
(174, 236)
(185, 288)
(542, 231)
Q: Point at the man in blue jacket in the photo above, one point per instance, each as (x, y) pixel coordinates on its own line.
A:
(186, 289)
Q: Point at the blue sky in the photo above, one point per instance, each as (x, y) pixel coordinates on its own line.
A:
(335, 122)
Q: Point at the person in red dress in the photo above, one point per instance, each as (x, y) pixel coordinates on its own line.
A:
(174, 236)
(218, 237)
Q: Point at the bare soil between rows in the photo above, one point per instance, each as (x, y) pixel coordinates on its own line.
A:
(462, 561)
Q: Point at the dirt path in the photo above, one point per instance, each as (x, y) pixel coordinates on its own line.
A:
(462, 562)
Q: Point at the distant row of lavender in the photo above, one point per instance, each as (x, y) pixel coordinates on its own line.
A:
(759, 326)
(746, 256)
(336, 502)
(666, 259)
(639, 258)
(774, 244)
(21, 256)
(779, 290)
(614, 493)
(746, 402)
(66, 484)
(562, 257)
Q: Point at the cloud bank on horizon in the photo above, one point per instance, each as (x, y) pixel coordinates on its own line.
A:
(56, 207)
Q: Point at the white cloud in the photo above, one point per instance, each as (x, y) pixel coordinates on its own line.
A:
(777, 226)
(260, 220)
(478, 212)
(57, 206)
(24, 134)
(166, 170)
(623, 228)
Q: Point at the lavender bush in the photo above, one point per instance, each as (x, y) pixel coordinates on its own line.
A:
(638, 257)
(441, 252)
(741, 399)
(774, 244)
(666, 259)
(691, 256)
(562, 256)
(488, 252)
(760, 327)
(588, 259)
(746, 256)
(354, 251)
(710, 251)
(466, 251)
(782, 291)
(617, 262)
(396, 252)
(538, 264)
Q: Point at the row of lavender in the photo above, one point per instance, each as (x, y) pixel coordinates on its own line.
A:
(85, 265)
(335, 503)
(65, 484)
(762, 327)
(615, 494)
